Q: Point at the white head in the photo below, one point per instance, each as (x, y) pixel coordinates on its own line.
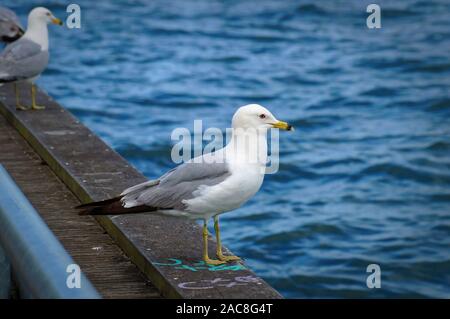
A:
(257, 117)
(42, 15)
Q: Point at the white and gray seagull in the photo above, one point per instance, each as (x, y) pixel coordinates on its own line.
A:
(208, 185)
(10, 27)
(26, 58)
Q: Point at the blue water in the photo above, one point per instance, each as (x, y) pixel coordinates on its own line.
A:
(366, 176)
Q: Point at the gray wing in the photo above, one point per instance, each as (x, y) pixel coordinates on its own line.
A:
(9, 15)
(22, 59)
(169, 191)
(10, 26)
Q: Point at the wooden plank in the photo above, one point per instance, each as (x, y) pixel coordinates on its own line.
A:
(166, 249)
(84, 239)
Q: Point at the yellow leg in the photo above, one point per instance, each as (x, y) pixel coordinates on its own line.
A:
(220, 255)
(18, 105)
(205, 247)
(34, 106)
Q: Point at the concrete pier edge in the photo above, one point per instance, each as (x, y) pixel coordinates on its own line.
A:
(167, 250)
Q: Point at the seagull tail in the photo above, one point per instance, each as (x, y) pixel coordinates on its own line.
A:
(111, 206)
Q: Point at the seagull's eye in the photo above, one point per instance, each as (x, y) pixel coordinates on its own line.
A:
(262, 116)
(48, 13)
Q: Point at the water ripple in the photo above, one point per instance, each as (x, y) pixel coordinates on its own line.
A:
(365, 177)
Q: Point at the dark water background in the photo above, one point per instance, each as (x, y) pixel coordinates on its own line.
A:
(366, 176)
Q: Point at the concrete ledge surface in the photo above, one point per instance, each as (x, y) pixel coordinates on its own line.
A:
(166, 249)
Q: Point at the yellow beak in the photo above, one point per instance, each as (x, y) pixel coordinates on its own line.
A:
(57, 21)
(283, 126)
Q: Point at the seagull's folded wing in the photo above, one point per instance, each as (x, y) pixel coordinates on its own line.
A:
(175, 186)
(22, 59)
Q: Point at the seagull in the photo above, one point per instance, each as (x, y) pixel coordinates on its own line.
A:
(208, 185)
(26, 58)
(10, 26)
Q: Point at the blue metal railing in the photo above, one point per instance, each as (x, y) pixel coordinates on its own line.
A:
(39, 261)
(5, 275)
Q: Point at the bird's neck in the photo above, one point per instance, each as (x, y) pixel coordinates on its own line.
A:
(37, 32)
(248, 147)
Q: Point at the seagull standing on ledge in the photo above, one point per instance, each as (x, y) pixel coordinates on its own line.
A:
(10, 27)
(208, 185)
(26, 58)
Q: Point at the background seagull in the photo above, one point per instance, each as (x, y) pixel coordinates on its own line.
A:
(26, 58)
(208, 185)
(10, 26)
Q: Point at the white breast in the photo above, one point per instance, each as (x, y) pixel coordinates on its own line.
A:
(247, 175)
(232, 193)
